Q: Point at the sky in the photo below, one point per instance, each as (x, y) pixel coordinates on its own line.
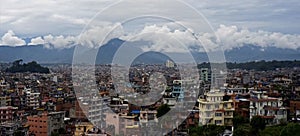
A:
(63, 23)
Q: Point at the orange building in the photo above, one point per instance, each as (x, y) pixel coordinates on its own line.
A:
(46, 123)
(38, 124)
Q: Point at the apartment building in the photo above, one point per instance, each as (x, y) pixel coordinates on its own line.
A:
(46, 123)
(215, 109)
(269, 108)
(32, 99)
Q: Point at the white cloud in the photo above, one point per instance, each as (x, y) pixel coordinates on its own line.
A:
(95, 34)
(11, 39)
(59, 41)
(164, 38)
(229, 37)
(232, 36)
(36, 41)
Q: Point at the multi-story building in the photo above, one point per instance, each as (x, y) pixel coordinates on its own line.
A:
(5, 101)
(46, 123)
(214, 109)
(9, 113)
(205, 75)
(82, 128)
(9, 128)
(32, 99)
(121, 125)
(269, 108)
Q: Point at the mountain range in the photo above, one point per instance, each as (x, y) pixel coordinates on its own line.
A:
(106, 52)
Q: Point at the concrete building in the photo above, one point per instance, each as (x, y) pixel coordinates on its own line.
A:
(170, 64)
(5, 101)
(9, 113)
(213, 109)
(121, 125)
(32, 99)
(10, 127)
(269, 108)
(205, 75)
(46, 123)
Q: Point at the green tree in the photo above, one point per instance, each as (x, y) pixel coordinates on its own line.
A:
(18, 133)
(239, 120)
(271, 131)
(257, 123)
(242, 130)
(61, 131)
(207, 130)
(292, 129)
(163, 109)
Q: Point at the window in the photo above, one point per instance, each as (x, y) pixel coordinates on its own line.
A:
(208, 107)
(218, 122)
(218, 114)
(217, 106)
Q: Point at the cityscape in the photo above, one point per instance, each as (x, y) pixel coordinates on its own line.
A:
(149, 68)
(37, 103)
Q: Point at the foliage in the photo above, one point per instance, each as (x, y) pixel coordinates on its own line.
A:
(163, 109)
(61, 131)
(242, 130)
(258, 65)
(239, 120)
(257, 123)
(18, 133)
(33, 67)
(292, 129)
(54, 134)
(207, 130)
(271, 131)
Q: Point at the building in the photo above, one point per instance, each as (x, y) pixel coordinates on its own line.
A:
(9, 113)
(121, 125)
(177, 91)
(214, 109)
(269, 108)
(5, 101)
(82, 128)
(204, 75)
(46, 123)
(10, 128)
(169, 64)
(32, 99)
(236, 90)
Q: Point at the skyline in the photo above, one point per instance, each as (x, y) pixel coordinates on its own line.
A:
(236, 24)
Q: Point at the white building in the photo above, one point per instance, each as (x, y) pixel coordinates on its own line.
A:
(269, 108)
(32, 99)
(215, 110)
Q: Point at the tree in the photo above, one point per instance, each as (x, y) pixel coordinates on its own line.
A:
(18, 133)
(292, 129)
(242, 130)
(271, 131)
(207, 130)
(257, 123)
(239, 120)
(61, 131)
(163, 109)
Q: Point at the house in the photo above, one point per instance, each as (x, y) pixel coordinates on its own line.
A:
(214, 109)
(269, 108)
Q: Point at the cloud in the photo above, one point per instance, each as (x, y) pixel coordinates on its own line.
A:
(232, 37)
(60, 41)
(164, 38)
(37, 41)
(94, 35)
(11, 39)
(49, 16)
